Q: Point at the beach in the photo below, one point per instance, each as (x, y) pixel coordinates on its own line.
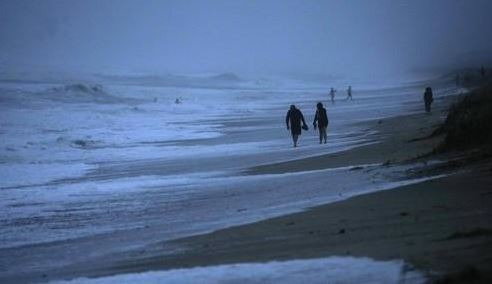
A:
(441, 227)
(248, 142)
(226, 196)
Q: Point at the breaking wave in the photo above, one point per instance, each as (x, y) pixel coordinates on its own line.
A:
(82, 93)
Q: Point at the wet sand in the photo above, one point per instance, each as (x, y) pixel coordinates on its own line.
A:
(398, 139)
(442, 227)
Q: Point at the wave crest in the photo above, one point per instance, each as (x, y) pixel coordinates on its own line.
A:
(82, 93)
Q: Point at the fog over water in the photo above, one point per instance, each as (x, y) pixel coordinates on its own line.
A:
(128, 124)
(296, 38)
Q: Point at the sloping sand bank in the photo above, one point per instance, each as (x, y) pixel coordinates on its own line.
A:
(442, 227)
(439, 226)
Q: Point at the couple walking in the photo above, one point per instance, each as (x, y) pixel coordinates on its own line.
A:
(294, 118)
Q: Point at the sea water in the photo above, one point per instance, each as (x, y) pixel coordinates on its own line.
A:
(79, 160)
(318, 270)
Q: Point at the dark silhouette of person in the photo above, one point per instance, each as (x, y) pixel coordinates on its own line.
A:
(321, 119)
(428, 99)
(332, 95)
(294, 117)
(349, 93)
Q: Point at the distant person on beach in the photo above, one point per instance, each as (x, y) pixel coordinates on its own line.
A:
(332, 95)
(321, 120)
(428, 99)
(349, 93)
(294, 118)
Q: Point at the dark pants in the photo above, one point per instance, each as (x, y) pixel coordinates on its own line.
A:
(322, 133)
(427, 106)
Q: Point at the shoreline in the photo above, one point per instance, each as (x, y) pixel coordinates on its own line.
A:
(391, 144)
(421, 223)
(439, 227)
(401, 139)
(435, 226)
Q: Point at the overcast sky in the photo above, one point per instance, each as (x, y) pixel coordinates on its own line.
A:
(254, 37)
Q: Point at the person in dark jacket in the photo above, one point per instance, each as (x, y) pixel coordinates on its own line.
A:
(349, 93)
(428, 99)
(294, 118)
(332, 95)
(321, 119)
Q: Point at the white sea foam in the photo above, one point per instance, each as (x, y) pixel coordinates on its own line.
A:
(320, 270)
(55, 139)
(16, 174)
(138, 161)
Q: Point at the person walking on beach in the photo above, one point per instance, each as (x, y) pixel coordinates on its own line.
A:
(428, 99)
(321, 119)
(349, 93)
(332, 95)
(294, 118)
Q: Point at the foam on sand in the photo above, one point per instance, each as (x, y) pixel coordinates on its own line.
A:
(321, 270)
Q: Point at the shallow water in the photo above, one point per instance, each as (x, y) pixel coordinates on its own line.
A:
(139, 168)
(321, 270)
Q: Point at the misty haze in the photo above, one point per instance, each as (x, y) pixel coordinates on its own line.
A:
(245, 141)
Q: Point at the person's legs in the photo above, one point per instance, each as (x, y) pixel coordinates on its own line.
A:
(294, 138)
(325, 136)
(322, 134)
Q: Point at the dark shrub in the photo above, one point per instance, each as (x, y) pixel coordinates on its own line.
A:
(469, 122)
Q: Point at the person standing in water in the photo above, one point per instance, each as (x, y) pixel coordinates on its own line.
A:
(349, 93)
(428, 99)
(294, 117)
(321, 119)
(332, 95)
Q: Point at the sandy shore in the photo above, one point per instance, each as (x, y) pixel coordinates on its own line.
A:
(398, 139)
(442, 227)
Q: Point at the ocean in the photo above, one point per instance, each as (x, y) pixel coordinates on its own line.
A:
(147, 163)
